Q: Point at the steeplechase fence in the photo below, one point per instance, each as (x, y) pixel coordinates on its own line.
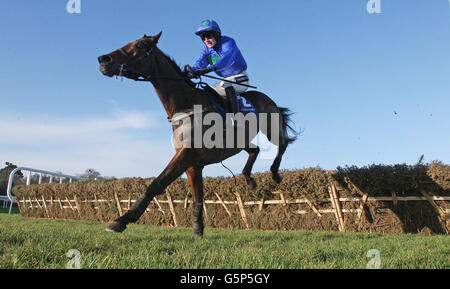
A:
(278, 209)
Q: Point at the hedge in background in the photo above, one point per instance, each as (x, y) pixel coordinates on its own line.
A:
(97, 200)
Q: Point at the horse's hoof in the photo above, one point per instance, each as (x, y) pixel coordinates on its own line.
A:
(252, 184)
(276, 177)
(198, 230)
(198, 234)
(115, 227)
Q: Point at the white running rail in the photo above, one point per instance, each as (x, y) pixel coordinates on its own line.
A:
(13, 199)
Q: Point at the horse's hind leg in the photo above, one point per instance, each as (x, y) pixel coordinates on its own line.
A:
(279, 138)
(252, 155)
(195, 178)
(276, 163)
(179, 163)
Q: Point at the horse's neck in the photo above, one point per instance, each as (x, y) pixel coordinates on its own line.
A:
(174, 94)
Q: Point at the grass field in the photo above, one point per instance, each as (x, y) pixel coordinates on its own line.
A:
(14, 210)
(43, 243)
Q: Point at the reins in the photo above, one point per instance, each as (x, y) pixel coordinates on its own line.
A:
(230, 81)
(124, 67)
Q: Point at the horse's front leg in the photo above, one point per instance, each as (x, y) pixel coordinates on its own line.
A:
(195, 178)
(179, 163)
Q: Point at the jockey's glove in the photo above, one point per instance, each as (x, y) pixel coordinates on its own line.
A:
(198, 72)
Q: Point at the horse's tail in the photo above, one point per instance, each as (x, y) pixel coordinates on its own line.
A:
(286, 122)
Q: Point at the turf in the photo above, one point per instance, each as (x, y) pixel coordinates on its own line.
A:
(44, 243)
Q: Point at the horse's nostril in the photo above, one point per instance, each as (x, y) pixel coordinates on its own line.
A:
(104, 59)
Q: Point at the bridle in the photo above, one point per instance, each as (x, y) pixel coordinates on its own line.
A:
(141, 76)
(126, 66)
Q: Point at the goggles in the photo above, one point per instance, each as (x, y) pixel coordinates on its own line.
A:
(208, 34)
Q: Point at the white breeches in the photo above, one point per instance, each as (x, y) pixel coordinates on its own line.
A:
(221, 85)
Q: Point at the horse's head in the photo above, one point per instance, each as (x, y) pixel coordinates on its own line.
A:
(132, 60)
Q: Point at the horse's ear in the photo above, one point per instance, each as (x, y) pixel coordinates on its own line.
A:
(156, 37)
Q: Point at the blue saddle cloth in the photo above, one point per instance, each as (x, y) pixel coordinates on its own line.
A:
(244, 106)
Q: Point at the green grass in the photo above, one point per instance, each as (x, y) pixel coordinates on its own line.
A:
(43, 243)
(14, 210)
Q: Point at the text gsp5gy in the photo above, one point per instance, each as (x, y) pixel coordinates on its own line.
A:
(246, 278)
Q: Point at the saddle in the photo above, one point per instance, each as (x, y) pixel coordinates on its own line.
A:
(221, 104)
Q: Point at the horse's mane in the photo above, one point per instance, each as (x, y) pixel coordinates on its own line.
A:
(177, 68)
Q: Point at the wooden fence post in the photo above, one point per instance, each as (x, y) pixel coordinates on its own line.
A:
(394, 199)
(261, 205)
(45, 207)
(311, 205)
(172, 209)
(70, 204)
(439, 210)
(119, 207)
(334, 207)
(39, 205)
(77, 204)
(159, 206)
(337, 208)
(361, 206)
(223, 204)
(242, 210)
(205, 211)
(283, 200)
(95, 201)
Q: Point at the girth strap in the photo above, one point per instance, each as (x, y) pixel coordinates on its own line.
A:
(187, 114)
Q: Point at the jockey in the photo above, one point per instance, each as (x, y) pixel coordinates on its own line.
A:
(221, 55)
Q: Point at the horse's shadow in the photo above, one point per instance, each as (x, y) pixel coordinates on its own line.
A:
(403, 180)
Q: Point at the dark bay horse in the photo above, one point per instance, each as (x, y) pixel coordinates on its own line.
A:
(141, 60)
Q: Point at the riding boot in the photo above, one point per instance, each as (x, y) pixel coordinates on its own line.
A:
(232, 99)
(232, 102)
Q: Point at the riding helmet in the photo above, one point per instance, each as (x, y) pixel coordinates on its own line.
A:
(209, 25)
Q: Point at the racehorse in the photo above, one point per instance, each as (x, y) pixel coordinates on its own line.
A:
(142, 60)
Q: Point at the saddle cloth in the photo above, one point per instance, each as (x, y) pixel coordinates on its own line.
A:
(244, 106)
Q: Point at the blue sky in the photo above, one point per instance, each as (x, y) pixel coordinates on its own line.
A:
(365, 88)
